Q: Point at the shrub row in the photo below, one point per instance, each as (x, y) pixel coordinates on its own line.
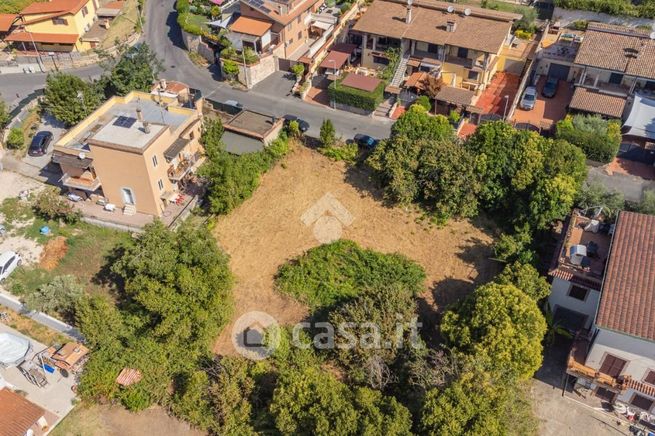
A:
(598, 138)
(356, 97)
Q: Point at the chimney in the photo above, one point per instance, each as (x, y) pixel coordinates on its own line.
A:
(162, 84)
(451, 26)
(146, 127)
(139, 115)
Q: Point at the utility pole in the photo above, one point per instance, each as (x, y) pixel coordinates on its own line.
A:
(38, 54)
(505, 111)
(245, 66)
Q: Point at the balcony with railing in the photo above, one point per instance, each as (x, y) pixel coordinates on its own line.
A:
(592, 82)
(86, 182)
(463, 62)
(179, 170)
(576, 367)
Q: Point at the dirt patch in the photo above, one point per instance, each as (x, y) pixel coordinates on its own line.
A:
(267, 230)
(11, 184)
(28, 249)
(54, 250)
(114, 420)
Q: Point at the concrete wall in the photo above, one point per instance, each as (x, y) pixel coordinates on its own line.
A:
(190, 41)
(253, 74)
(559, 297)
(639, 353)
(568, 16)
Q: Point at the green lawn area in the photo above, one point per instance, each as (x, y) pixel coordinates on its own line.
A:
(15, 6)
(86, 255)
(198, 20)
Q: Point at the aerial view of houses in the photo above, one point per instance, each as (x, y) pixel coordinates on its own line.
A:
(350, 217)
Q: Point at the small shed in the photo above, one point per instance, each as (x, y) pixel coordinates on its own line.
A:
(128, 377)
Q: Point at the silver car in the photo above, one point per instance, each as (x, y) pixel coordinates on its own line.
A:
(529, 98)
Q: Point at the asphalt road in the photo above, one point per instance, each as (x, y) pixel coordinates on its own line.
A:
(164, 36)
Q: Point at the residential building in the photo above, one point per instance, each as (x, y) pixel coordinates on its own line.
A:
(244, 131)
(136, 152)
(607, 64)
(20, 417)
(464, 46)
(56, 25)
(604, 288)
(7, 24)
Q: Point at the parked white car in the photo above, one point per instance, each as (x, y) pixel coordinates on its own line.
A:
(8, 263)
(529, 98)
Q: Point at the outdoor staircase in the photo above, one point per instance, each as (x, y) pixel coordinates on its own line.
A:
(383, 109)
(399, 74)
(129, 210)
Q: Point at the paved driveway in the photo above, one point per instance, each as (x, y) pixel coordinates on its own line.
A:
(547, 111)
(278, 84)
(631, 186)
(48, 123)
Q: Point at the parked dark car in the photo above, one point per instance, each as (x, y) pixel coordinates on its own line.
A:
(550, 87)
(302, 124)
(40, 143)
(366, 141)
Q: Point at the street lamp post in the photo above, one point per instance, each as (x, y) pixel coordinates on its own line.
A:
(336, 82)
(38, 54)
(505, 111)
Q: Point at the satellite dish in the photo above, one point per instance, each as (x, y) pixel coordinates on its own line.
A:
(82, 155)
(451, 9)
(467, 12)
(652, 35)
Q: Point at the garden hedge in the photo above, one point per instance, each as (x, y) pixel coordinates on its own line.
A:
(598, 138)
(356, 97)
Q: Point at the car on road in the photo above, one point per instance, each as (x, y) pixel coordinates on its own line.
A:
(302, 124)
(366, 141)
(40, 143)
(550, 87)
(8, 263)
(529, 98)
(234, 103)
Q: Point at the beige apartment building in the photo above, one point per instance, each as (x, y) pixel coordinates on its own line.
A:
(136, 152)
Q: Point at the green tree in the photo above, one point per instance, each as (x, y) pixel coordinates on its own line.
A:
(416, 124)
(293, 129)
(647, 204)
(70, 99)
(99, 321)
(212, 132)
(182, 280)
(58, 297)
(424, 101)
(298, 69)
(230, 68)
(595, 195)
(328, 135)
(551, 199)
(526, 278)
(500, 326)
(52, 206)
(136, 69)
(5, 116)
(215, 12)
(386, 307)
(598, 138)
(15, 139)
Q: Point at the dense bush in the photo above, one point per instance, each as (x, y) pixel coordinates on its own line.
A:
(59, 297)
(345, 152)
(232, 179)
(424, 101)
(598, 138)
(594, 194)
(356, 97)
(336, 272)
(50, 205)
(15, 139)
(643, 8)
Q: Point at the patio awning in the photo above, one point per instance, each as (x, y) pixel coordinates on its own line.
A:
(322, 25)
(176, 147)
(641, 121)
(359, 81)
(456, 96)
(337, 57)
(71, 161)
(593, 102)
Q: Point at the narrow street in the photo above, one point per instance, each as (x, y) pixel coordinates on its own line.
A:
(165, 38)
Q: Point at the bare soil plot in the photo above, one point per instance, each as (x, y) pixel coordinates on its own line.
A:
(115, 420)
(267, 230)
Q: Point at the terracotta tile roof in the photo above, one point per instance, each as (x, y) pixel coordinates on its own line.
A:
(594, 102)
(17, 414)
(338, 56)
(483, 30)
(6, 20)
(457, 96)
(416, 79)
(50, 38)
(54, 6)
(359, 81)
(271, 9)
(250, 26)
(618, 48)
(628, 294)
(114, 5)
